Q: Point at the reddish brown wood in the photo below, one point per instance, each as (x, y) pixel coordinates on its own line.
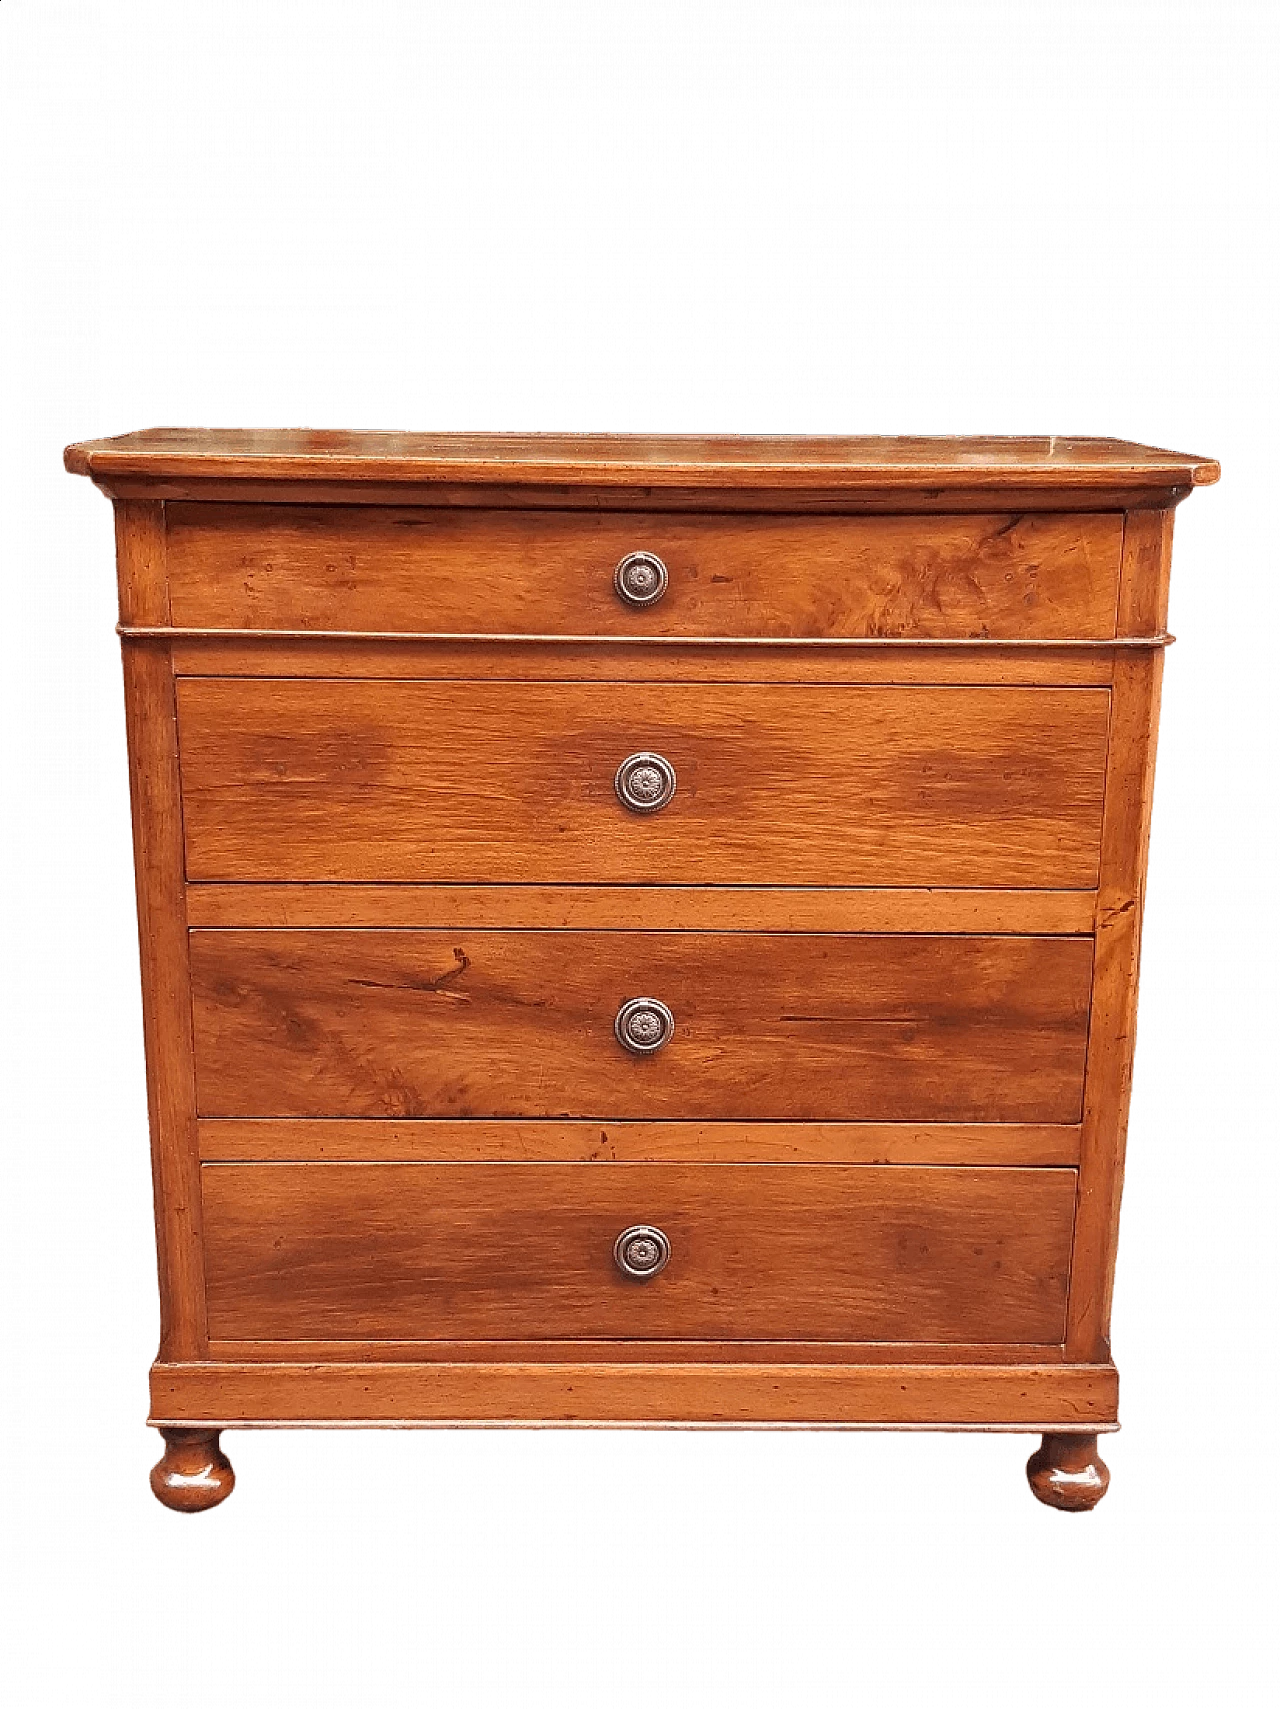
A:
(636, 661)
(498, 782)
(193, 1474)
(638, 461)
(582, 1350)
(912, 714)
(884, 498)
(813, 1028)
(162, 935)
(666, 907)
(1145, 565)
(868, 646)
(1126, 828)
(481, 1251)
(325, 567)
(511, 1141)
(1018, 1397)
(1068, 1473)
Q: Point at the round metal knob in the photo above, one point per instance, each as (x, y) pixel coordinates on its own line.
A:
(641, 1251)
(644, 782)
(643, 1025)
(640, 579)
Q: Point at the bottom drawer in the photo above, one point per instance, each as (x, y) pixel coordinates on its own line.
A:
(825, 1252)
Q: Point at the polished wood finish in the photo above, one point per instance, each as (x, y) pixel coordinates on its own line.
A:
(551, 572)
(1068, 1473)
(489, 660)
(665, 907)
(1053, 1396)
(377, 688)
(193, 1474)
(510, 1141)
(1126, 828)
(867, 645)
(298, 1251)
(814, 1028)
(1147, 564)
(582, 1349)
(1140, 491)
(638, 461)
(478, 782)
(162, 935)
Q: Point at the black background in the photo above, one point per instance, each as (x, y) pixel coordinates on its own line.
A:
(369, 1550)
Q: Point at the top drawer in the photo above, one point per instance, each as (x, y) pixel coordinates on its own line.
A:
(524, 572)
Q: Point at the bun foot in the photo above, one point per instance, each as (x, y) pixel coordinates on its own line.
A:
(193, 1473)
(1067, 1472)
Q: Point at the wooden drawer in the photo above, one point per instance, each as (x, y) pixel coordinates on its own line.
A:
(465, 782)
(512, 1252)
(551, 572)
(768, 1026)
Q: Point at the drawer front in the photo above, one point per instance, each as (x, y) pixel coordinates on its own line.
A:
(767, 1026)
(513, 1252)
(464, 782)
(548, 572)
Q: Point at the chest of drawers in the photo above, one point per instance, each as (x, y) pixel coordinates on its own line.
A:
(638, 931)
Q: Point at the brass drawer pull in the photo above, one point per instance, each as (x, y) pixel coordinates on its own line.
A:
(641, 1251)
(643, 1025)
(640, 579)
(645, 782)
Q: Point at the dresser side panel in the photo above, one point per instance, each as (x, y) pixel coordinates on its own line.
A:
(1135, 712)
(151, 728)
(1147, 555)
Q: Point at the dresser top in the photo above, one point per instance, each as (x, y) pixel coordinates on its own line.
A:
(665, 460)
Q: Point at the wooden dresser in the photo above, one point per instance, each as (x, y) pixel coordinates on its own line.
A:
(638, 930)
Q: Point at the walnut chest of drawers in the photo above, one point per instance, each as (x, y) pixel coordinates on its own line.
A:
(638, 931)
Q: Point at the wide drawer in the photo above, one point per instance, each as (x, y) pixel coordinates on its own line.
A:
(510, 1252)
(552, 572)
(392, 781)
(767, 1026)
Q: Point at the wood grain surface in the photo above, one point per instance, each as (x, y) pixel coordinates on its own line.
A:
(330, 567)
(196, 482)
(938, 1396)
(425, 1251)
(851, 664)
(658, 907)
(389, 906)
(638, 460)
(777, 784)
(390, 1140)
(1126, 829)
(162, 934)
(508, 1023)
(586, 1351)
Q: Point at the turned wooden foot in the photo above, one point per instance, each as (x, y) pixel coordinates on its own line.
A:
(193, 1472)
(1067, 1472)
